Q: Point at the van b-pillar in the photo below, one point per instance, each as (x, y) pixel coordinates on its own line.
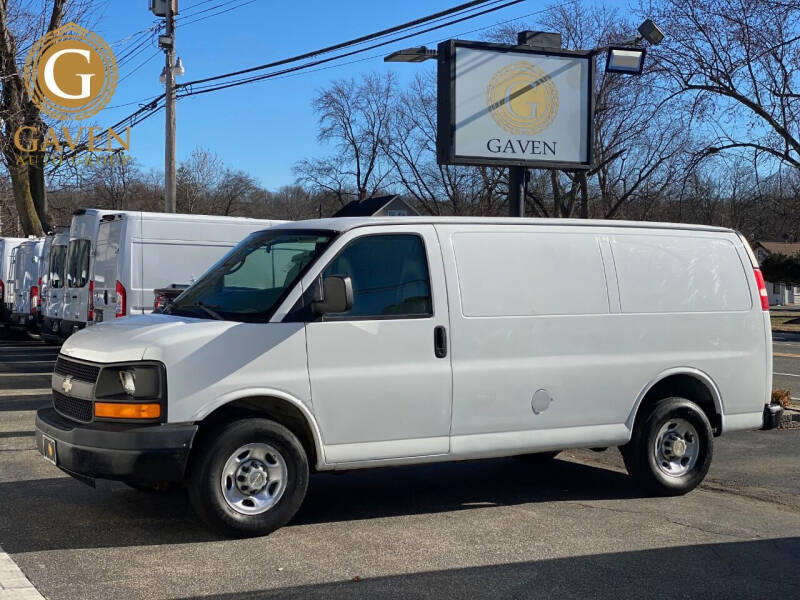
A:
(518, 176)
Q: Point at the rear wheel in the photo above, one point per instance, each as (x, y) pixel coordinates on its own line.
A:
(251, 479)
(671, 447)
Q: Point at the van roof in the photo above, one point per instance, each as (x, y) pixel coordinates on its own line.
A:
(347, 223)
(182, 217)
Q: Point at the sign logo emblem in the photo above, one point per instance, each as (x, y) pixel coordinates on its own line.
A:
(70, 73)
(66, 384)
(522, 98)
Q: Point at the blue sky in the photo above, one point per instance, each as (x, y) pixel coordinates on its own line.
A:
(262, 128)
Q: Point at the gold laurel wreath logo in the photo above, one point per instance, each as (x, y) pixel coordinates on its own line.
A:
(70, 73)
(522, 98)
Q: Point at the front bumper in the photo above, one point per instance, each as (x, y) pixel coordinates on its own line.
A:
(772, 416)
(141, 453)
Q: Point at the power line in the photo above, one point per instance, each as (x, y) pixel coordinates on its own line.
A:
(185, 23)
(339, 46)
(139, 66)
(203, 90)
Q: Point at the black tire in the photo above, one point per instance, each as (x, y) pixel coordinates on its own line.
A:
(537, 458)
(205, 489)
(641, 455)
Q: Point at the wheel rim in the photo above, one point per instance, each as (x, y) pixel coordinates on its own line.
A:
(677, 447)
(254, 478)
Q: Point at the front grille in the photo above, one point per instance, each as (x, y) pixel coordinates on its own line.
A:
(80, 371)
(76, 409)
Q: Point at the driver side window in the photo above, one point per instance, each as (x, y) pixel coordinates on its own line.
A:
(390, 277)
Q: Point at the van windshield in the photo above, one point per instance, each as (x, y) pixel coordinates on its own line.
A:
(58, 257)
(249, 282)
(78, 263)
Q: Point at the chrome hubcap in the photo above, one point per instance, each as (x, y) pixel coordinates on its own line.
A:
(254, 478)
(677, 447)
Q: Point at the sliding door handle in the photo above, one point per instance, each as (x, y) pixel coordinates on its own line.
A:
(440, 341)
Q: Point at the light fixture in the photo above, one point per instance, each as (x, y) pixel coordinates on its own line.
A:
(412, 55)
(163, 77)
(620, 59)
(179, 70)
(651, 32)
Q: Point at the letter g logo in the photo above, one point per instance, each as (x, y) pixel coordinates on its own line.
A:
(52, 84)
(70, 73)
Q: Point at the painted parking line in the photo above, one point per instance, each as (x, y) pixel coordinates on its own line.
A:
(784, 355)
(786, 374)
(30, 392)
(13, 583)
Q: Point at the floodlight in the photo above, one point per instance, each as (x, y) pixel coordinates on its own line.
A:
(620, 59)
(413, 55)
(651, 32)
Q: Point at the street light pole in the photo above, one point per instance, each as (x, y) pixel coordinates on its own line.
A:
(169, 145)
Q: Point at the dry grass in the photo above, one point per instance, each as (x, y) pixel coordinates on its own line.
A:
(785, 322)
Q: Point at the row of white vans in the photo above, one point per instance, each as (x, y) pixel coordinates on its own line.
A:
(107, 264)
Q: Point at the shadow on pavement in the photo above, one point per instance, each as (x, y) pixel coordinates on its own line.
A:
(63, 513)
(756, 569)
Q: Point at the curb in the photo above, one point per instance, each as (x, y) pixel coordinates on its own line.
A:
(13, 583)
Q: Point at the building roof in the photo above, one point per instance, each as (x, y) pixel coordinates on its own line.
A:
(367, 207)
(787, 248)
(347, 223)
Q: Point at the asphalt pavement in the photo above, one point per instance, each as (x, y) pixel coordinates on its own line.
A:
(573, 528)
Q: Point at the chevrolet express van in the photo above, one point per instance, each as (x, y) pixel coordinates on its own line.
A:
(7, 246)
(26, 283)
(140, 251)
(363, 342)
(54, 296)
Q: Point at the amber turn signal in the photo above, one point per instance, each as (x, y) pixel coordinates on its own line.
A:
(120, 410)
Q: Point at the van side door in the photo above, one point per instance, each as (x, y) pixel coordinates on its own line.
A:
(380, 373)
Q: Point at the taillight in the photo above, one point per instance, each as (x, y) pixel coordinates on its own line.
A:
(90, 311)
(159, 302)
(121, 300)
(34, 295)
(2, 291)
(762, 289)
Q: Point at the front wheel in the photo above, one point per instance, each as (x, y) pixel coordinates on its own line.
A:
(251, 479)
(670, 451)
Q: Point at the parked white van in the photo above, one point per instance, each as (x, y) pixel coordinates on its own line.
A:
(363, 342)
(77, 309)
(54, 297)
(7, 246)
(140, 251)
(26, 282)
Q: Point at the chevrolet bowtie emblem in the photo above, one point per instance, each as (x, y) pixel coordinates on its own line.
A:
(66, 384)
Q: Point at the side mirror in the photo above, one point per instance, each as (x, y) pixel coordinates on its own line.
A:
(336, 297)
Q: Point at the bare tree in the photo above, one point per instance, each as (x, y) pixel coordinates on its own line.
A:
(740, 61)
(21, 23)
(197, 179)
(353, 116)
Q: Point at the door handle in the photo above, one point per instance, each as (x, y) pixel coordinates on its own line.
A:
(440, 341)
(75, 297)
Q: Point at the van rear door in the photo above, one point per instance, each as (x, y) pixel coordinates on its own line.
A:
(107, 302)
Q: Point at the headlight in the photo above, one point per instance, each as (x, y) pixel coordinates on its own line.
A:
(131, 391)
(131, 381)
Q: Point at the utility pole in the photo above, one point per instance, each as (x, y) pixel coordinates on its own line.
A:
(518, 176)
(169, 145)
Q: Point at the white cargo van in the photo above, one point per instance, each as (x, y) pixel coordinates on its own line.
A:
(140, 251)
(53, 298)
(7, 246)
(364, 342)
(78, 311)
(39, 293)
(26, 283)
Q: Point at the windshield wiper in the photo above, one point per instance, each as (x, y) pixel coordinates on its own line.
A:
(206, 308)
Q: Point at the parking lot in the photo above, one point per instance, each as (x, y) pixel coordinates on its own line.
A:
(575, 528)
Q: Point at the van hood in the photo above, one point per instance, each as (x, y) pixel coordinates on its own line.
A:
(128, 338)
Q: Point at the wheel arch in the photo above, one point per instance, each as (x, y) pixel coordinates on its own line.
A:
(687, 382)
(283, 408)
